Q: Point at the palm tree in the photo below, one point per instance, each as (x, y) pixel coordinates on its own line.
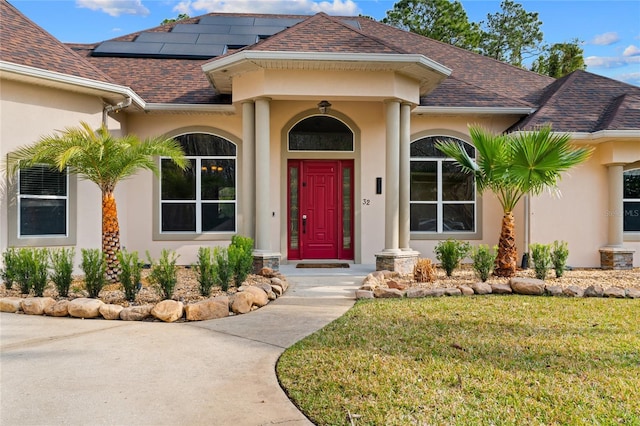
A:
(512, 165)
(104, 160)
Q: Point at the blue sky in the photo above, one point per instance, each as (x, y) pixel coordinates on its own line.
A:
(610, 30)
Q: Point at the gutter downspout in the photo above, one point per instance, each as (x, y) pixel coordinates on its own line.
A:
(114, 108)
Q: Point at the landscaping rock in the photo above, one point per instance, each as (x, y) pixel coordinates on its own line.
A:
(633, 293)
(481, 288)
(10, 304)
(396, 285)
(58, 309)
(593, 291)
(110, 311)
(267, 272)
(424, 292)
(260, 298)
(387, 293)
(242, 302)
(36, 305)
(215, 307)
(553, 290)
(527, 286)
(573, 291)
(272, 296)
(364, 294)
(284, 285)
(452, 291)
(500, 288)
(277, 290)
(617, 292)
(170, 310)
(136, 313)
(85, 307)
(466, 290)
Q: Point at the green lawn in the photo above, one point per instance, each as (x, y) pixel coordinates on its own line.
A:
(471, 361)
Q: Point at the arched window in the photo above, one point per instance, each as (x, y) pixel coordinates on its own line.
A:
(202, 198)
(631, 200)
(321, 133)
(443, 199)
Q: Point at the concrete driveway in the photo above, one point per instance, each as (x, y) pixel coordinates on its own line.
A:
(64, 371)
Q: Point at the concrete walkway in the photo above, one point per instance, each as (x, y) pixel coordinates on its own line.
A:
(63, 371)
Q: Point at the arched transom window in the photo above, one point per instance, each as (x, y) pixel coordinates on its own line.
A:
(202, 198)
(320, 133)
(443, 199)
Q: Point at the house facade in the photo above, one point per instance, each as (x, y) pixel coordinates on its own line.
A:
(314, 135)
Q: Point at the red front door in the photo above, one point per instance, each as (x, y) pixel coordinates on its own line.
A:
(320, 212)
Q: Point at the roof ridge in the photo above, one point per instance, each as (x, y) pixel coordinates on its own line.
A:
(609, 113)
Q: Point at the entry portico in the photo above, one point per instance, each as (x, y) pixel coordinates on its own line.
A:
(257, 78)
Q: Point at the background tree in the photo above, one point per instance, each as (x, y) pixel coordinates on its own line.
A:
(510, 166)
(560, 59)
(180, 17)
(512, 34)
(441, 20)
(104, 160)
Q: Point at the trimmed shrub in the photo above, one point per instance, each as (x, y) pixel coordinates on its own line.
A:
(559, 255)
(450, 253)
(62, 269)
(483, 260)
(424, 271)
(224, 272)
(39, 274)
(130, 273)
(24, 269)
(241, 258)
(94, 267)
(9, 273)
(206, 270)
(541, 258)
(164, 272)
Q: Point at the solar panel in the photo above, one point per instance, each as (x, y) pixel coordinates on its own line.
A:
(127, 48)
(192, 50)
(155, 37)
(276, 22)
(256, 30)
(234, 39)
(201, 29)
(227, 20)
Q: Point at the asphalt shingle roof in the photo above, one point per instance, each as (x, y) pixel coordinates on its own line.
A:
(585, 102)
(25, 43)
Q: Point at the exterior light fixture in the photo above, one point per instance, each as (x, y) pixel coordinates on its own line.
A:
(324, 106)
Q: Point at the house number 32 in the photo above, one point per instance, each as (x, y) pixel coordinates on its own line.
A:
(366, 202)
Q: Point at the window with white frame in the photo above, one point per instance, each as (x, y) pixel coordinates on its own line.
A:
(43, 202)
(202, 198)
(443, 198)
(631, 200)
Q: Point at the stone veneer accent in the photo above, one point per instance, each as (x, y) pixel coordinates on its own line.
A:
(266, 261)
(616, 258)
(402, 262)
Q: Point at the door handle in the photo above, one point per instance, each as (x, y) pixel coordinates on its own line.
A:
(304, 223)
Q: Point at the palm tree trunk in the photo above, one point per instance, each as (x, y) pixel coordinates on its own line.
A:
(507, 252)
(110, 234)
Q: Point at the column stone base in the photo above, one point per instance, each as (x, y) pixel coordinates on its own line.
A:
(402, 262)
(266, 260)
(616, 258)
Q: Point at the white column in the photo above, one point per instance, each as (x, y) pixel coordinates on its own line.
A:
(392, 177)
(616, 206)
(405, 175)
(262, 209)
(248, 199)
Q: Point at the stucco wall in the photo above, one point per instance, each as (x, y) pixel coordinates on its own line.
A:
(28, 112)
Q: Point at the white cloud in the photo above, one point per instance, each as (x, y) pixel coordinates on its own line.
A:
(115, 7)
(605, 39)
(631, 78)
(631, 50)
(610, 61)
(332, 7)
